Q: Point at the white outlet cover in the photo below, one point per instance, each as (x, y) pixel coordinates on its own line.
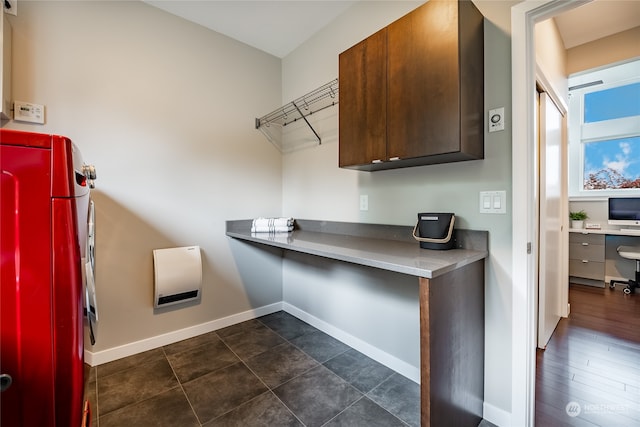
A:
(364, 202)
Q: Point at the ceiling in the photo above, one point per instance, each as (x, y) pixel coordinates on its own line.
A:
(598, 19)
(278, 27)
(275, 27)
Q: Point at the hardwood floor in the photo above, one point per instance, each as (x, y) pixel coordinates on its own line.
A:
(589, 374)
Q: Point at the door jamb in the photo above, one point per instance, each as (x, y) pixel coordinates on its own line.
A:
(524, 228)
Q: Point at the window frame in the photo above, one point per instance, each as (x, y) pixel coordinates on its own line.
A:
(580, 133)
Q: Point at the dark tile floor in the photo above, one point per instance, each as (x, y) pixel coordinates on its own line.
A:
(272, 371)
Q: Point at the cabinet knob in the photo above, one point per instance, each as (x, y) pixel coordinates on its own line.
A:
(585, 244)
(393, 159)
(585, 261)
(376, 161)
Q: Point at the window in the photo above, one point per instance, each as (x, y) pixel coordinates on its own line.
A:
(614, 103)
(604, 131)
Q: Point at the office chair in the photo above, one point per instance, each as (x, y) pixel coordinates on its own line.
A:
(629, 252)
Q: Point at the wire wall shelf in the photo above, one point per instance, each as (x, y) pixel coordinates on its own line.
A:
(272, 124)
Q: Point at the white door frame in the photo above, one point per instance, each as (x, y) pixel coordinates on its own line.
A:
(553, 215)
(543, 84)
(525, 219)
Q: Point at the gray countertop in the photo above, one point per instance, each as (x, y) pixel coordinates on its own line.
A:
(379, 246)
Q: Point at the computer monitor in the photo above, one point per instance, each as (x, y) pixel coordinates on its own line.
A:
(624, 211)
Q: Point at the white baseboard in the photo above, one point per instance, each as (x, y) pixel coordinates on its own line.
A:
(392, 362)
(496, 416)
(115, 353)
(136, 347)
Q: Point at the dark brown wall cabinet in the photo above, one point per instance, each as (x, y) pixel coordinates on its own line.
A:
(413, 93)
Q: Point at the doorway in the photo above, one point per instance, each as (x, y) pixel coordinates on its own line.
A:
(526, 226)
(525, 204)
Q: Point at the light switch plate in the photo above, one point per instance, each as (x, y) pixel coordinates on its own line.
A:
(493, 202)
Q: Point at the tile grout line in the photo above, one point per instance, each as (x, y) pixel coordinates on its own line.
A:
(269, 389)
(364, 394)
(358, 400)
(393, 373)
(344, 410)
(318, 364)
(310, 369)
(136, 402)
(181, 387)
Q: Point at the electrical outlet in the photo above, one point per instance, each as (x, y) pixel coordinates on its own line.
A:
(364, 202)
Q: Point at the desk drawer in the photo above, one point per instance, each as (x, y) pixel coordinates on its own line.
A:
(580, 251)
(587, 269)
(592, 239)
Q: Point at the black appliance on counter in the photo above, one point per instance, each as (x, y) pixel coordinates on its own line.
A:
(435, 230)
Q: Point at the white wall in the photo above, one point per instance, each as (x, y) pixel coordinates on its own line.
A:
(607, 50)
(165, 110)
(551, 56)
(383, 309)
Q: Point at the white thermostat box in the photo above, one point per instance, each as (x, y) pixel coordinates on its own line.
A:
(27, 112)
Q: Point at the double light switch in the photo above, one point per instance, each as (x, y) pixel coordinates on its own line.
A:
(494, 202)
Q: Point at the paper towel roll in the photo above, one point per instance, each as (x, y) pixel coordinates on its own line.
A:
(177, 275)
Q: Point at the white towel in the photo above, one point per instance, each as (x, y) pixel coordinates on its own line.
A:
(272, 222)
(272, 225)
(271, 230)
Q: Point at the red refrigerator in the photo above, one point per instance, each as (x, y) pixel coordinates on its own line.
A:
(47, 260)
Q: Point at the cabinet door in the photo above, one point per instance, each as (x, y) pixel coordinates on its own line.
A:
(586, 269)
(363, 101)
(588, 238)
(423, 86)
(580, 252)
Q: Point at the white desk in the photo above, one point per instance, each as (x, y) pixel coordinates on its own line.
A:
(593, 259)
(606, 231)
